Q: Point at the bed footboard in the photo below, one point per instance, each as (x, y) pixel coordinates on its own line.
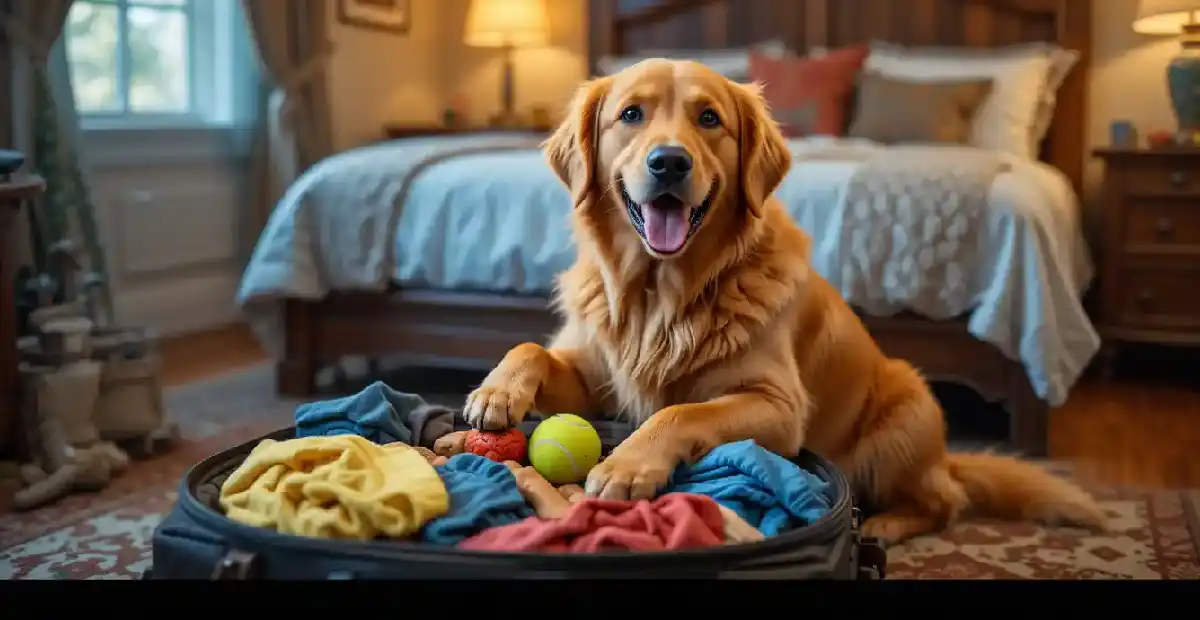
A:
(946, 351)
(473, 331)
(420, 327)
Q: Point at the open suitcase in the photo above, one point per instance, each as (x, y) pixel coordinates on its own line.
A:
(195, 541)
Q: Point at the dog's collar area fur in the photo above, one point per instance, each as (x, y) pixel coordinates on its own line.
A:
(695, 219)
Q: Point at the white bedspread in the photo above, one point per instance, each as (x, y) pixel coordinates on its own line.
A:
(498, 222)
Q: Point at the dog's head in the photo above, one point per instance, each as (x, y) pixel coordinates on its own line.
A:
(678, 148)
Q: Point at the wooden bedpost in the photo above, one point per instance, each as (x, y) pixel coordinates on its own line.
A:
(296, 373)
(1029, 416)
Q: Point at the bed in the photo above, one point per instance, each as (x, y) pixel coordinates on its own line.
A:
(441, 250)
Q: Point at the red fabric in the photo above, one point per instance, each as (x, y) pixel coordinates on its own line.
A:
(810, 95)
(499, 446)
(671, 522)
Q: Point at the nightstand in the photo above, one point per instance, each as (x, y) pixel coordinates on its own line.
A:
(1149, 263)
(396, 132)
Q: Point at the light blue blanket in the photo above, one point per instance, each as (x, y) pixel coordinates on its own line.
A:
(768, 491)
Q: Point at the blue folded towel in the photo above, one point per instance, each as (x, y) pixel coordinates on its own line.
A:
(483, 494)
(378, 413)
(766, 490)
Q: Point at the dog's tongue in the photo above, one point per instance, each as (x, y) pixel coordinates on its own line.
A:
(666, 224)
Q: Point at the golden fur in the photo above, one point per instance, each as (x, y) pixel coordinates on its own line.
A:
(734, 337)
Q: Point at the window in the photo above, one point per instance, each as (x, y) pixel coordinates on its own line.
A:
(150, 62)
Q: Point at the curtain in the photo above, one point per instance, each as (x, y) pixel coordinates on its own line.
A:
(294, 132)
(248, 138)
(46, 126)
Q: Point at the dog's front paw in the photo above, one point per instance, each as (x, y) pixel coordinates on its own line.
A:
(496, 408)
(628, 477)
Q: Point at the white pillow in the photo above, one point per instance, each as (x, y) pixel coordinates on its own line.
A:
(1017, 112)
(1061, 63)
(733, 63)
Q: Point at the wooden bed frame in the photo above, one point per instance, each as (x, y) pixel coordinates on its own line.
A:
(475, 330)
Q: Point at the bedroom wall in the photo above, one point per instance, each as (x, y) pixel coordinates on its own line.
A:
(165, 203)
(379, 78)
(1128, 77)
(544, 77)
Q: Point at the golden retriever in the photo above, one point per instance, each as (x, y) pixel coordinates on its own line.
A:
(692, 309)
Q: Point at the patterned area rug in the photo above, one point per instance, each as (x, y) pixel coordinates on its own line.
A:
(1154, 536)
(107, 535)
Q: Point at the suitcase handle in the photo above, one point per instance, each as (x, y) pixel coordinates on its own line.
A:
(872, 559)
(237, 565)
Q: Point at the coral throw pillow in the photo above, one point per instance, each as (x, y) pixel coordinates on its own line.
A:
(810, 95)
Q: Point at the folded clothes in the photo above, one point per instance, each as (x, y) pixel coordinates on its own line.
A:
(378, 413)
(344, 487)
(483, 494)
(671, 522)
(553, 503)
(769, 492)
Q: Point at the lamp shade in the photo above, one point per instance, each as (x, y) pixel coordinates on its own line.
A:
(501, 23)
(1166, 17)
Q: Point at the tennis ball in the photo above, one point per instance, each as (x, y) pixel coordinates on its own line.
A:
(564, 448)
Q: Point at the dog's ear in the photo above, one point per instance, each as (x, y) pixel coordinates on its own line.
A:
(571, 149)
(764, 157)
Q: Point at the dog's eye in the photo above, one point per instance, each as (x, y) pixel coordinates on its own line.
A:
(632, 114)
(709, 118)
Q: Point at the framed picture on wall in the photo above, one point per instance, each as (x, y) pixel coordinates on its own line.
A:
(394, 16)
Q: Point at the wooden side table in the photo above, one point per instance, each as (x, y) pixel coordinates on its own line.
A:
(1150, 253)
(14, 193)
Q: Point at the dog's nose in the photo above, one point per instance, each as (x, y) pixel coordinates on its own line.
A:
(669, 164)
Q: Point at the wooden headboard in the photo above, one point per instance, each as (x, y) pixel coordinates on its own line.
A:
(627, 26)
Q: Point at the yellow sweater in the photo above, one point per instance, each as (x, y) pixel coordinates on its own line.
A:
(340, 486)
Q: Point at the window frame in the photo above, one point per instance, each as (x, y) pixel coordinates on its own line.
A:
(205, 70)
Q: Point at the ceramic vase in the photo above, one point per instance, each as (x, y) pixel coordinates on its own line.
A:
(1183, 81)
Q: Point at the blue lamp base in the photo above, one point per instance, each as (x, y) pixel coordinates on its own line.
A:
(1183, 81)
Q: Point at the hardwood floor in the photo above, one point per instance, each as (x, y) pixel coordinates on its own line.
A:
(202, 355)
(1142, 429)
(1135, 432)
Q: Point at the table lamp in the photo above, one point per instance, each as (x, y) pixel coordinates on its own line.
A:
(507, 25)
(1178, 17)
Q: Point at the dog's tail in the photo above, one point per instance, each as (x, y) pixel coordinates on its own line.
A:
(1003, 487)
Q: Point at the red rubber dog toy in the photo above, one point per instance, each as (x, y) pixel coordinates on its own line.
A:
(499, 446)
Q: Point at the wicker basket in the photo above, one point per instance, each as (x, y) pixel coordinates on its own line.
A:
(130, 404)
(68, 393)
